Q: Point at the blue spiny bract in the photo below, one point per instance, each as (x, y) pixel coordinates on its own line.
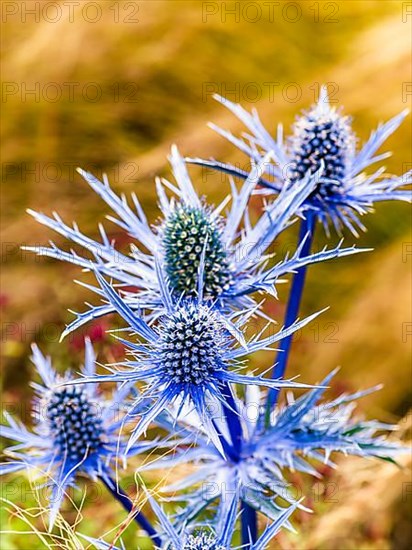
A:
(299, 434)
(187, 233)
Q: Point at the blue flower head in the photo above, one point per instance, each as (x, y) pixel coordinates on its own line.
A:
(202, 541)
(186, 232)
(75, 430)
(235, 251)
(73, 424)
(187, 356)
(322, 141)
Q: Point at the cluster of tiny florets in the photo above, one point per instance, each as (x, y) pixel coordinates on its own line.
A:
(73, 421)
(321, 136)
(202, 541)
(190, 345)
(186, 233)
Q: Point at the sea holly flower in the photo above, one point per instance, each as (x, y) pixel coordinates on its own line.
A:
(321, 137)
(76, 431)
(217, 537)
(182, 539)
(235, 252)
(304, 431)
(187, 356)
(221, 534)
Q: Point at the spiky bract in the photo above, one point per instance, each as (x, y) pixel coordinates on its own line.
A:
(298, 435)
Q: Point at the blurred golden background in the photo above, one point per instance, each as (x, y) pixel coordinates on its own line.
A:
(109, 86)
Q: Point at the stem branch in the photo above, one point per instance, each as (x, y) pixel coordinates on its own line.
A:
(249, 515)
(307, 228)
(249, 525)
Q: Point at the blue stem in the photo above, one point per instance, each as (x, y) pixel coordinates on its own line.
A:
(233, 420)
(249, 514)
(127, 504)
(307, 226)
(249, 525)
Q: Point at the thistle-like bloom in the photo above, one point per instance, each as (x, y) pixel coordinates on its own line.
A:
(75, 431)
(217, 537)
(322, 138)
(234, 251)
(298, 434)
(187, 356)
(182, 539)
(221, 535)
